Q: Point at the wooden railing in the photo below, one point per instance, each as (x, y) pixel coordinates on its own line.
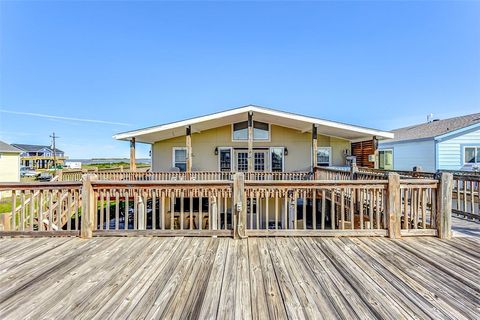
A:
(44, 208)
(465, 197)
(384, 207)
(466, 201)
(184, 176)
(168, 207)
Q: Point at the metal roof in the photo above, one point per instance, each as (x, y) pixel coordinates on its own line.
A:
(434, 128)
(33, 147)
(277, 117)
(5, 147)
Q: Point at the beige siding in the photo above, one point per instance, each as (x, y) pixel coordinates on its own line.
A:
(9, 167)
(204, 143)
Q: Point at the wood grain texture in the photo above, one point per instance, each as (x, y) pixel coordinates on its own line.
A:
(254, 278)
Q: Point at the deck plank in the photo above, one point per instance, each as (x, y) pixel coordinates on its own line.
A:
(222, 278)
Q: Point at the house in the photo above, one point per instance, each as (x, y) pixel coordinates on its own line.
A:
(254, 139)
(449, 144)
(39, 156)
(9, 163)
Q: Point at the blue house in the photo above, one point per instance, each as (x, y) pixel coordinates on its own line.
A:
(449, 144)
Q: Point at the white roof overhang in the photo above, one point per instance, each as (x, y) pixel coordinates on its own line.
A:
(280, 118)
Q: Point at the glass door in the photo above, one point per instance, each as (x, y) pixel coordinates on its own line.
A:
(260, 160)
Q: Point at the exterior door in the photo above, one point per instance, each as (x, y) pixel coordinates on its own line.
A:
(260, 160)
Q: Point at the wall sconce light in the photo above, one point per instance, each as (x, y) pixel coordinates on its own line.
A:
(216, 151)
(285, 151)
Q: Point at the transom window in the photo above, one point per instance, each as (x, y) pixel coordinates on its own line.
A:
(261, 130)
(180, 158)
(472, 155)
(324, 156)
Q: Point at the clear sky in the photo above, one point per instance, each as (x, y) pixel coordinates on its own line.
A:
(131, 64)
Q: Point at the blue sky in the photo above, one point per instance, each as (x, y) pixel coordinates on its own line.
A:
(135, 64)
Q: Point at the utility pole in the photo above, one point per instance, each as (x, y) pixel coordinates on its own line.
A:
(54, 137)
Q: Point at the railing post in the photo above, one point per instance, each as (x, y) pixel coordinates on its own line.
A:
(141, 213)
(353, 171)
(5, 221)
(239, 205)
(214, 208)
(394, 206)
(444, 205)
(88, 206)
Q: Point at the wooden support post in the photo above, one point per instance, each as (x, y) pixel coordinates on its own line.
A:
(353, 171)
(141, 213)
(250, 142)
(394, 203)
(5, 221)
(189, 148)
(314, 146)
(214, 210)
(444, 205)
(133, 161)
(239, 205)
(89, 209)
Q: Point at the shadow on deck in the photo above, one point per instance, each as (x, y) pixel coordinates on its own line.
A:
(225, 278)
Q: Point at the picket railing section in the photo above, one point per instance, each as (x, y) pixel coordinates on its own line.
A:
(172, 208)
(384, 207)
(466, 201)
(46, 208)
(316, 208)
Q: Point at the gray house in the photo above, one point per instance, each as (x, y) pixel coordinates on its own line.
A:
(449, 144)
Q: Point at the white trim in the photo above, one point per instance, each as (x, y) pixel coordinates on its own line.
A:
(329, 155)
(231, 158)
(254, 140)
(283, 158)
(477, 148)
(321, 122)
(173, 154)
(386, 149)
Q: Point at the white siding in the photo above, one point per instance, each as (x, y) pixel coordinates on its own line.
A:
(410, 154)
(450, 152)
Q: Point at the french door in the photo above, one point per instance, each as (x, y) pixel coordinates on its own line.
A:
(260, 160)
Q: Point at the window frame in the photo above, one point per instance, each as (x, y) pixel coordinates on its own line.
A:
(173, 156)
(243, 140)
(385, 150)
(231, 158)
(271, 158)
(477, 150)
(329, 155)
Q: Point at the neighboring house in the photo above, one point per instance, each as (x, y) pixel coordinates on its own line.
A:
(279, 141)
(39, 156)
(450, 144)
(9, 163)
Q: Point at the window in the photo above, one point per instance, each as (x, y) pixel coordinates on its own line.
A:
(472, 155)
(180, 158)
(259, 161)
(242, 161)
(261, 131)
(277, 159)
(324, 156)
(225, 159)
(385, 159)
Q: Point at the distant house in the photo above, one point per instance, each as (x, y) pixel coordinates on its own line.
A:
(449, 144)
(39, 156)
(255, 139)
(9, 163)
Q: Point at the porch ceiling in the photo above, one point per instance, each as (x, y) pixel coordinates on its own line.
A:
(280, 118)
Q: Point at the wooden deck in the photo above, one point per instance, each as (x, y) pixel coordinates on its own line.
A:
(172, 278)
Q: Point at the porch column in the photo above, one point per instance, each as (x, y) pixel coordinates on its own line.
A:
(133, 162)
(250, 141)
(314, 146)
(189, 148)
